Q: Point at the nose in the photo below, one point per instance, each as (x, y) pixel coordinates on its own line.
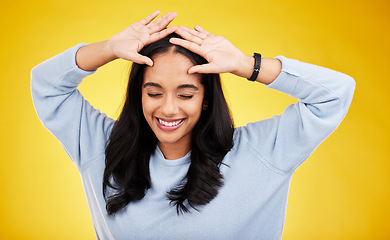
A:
(169, 106)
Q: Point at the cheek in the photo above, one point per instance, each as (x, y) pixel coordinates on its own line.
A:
(147, 107)
(193, 109)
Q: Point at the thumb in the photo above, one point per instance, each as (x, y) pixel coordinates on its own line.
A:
(204, 68)
(140, 59)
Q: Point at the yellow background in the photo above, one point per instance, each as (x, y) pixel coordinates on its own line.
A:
(341, 192)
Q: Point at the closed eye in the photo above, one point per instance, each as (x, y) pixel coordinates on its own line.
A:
(186, 96)
(154, 94)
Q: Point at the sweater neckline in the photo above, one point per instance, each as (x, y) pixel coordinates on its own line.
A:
(159, 157)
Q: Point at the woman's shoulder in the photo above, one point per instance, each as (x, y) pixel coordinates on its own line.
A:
(253, 135)
(255, 130)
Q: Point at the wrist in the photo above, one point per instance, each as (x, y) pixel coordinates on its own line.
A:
(108, 51)
(269, 71)
(91, 57)
(245, 67)
(256, 67)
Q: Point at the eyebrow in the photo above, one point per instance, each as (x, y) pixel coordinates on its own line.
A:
(153, 84)
(187, 86)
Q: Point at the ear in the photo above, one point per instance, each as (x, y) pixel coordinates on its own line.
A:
(205, 105)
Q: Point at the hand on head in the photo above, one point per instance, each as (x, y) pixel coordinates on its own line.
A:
(222, 56)
(127, 43)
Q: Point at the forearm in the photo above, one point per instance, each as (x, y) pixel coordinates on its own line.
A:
(324, 92)
(63, 110)
(324, 98)
(91, 57)
(58, 75)
(270, 69)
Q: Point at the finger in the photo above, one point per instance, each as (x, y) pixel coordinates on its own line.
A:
(149, 18)
(162, 22)
(193, 47)
(199, 29)
(204, 68)
(193, 32)
(162, 34)
(152, 24)
(188, 36)
(138, 58)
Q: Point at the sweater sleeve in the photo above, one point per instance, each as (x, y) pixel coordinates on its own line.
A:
(81, 129)
(324, 97)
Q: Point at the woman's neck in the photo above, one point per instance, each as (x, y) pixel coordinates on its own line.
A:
(172, 151)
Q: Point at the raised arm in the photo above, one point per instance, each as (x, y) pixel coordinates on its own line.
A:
(81, 129)
(283, 141)
(127, 43)
(223, 56)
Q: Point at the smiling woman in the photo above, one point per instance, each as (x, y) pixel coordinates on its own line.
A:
(172, 102)
(175, 105)
(173, 166)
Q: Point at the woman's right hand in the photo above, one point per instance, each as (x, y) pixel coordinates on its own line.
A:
(127, 43)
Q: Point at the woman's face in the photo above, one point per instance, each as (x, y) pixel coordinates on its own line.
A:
(172, 99)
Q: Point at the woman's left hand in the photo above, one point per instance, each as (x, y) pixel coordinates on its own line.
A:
(222, 55)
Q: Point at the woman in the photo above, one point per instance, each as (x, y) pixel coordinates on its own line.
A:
(172, 166)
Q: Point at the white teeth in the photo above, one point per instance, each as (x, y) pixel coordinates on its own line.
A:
(169, 124)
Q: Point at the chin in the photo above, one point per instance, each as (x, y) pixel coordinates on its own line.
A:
(172, 138)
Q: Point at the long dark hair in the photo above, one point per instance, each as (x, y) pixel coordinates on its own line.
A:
(126, 175)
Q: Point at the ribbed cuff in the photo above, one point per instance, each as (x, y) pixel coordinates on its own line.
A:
(288, 77)
(73, 72)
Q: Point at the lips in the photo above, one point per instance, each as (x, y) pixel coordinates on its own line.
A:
(169, 124)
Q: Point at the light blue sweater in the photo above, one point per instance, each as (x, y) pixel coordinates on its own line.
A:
(252, 202)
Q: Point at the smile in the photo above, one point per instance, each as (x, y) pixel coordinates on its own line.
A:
(169, 125)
